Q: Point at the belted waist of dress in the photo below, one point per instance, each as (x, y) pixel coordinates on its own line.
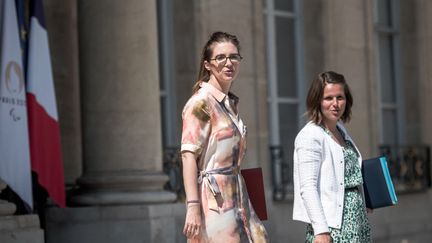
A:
(207, 175)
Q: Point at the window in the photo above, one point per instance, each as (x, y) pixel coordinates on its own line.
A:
(286, 91)
(167, 74)
(168, 99)
(387, 43)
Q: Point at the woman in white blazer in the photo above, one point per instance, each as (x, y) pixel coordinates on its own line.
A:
(327, 167)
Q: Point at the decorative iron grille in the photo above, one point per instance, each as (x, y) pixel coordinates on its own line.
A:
(172, 166)
(281, 175)
(409, 167)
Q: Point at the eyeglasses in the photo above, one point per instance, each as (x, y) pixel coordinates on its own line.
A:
(234, 58)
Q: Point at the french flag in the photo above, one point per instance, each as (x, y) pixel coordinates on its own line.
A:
(44, 132)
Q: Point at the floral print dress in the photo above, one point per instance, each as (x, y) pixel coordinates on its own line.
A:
(213, 131)
(355, 224)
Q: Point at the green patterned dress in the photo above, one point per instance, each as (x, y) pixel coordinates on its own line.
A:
(355, 224)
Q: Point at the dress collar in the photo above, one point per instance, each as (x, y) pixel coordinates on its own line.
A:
(219, 95)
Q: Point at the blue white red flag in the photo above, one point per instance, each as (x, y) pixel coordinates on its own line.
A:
(44, 131)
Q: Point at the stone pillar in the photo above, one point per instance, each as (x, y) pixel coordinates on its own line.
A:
(424, 36)
(120, 104)
(251, 83)
(61, 22)
(347, 52)
(122, 177)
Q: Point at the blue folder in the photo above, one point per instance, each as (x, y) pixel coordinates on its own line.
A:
(378, 186)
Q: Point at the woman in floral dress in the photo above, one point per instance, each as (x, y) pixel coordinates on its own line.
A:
(213, 146)
(328, 192)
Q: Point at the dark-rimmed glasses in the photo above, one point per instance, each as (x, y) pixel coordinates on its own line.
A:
(234, 58)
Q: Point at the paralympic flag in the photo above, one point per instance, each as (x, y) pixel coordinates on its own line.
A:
(44, 131)
(14, 140)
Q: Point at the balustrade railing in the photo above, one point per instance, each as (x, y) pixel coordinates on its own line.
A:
(281, 174)
(409, 167)
(172, 166)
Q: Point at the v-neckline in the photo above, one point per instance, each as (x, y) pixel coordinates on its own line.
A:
(235, 120)
(333, 137)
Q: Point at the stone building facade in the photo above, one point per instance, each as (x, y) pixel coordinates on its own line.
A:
(124, 69)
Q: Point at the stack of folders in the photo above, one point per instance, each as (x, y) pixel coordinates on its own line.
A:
(377, 183)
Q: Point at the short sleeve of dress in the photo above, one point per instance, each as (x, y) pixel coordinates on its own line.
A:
(196, 125)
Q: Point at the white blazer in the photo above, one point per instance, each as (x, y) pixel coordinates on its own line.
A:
(319, 178)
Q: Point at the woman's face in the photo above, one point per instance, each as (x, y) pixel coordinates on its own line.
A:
(333, 103)
(225, 70)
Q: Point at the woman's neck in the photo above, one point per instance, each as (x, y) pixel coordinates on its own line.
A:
(223, 87)
(331, 126)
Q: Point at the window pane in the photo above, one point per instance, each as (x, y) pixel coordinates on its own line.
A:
(388, 91)
(384, 12)
(285, 56)
(161, 73)
(284, 5)
(164, 121)
(288, 130)
(390, 127)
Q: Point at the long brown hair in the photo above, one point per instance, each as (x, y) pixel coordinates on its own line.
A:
(316, 92)
(207, 52)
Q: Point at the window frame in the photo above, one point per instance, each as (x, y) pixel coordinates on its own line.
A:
(274, 100)
(167, 73)
(392, 31)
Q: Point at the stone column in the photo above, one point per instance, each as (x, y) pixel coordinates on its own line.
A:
(61, 22)
(120, 104)
(347, 52)
(424, 36)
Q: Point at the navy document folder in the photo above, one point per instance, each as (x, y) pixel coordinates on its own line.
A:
(378, 187)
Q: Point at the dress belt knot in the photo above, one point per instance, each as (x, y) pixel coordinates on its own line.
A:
(207, 176)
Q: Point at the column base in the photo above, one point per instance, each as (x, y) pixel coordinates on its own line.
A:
(122, 188)
(123, 198)
(113, 224)
(21, 229)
